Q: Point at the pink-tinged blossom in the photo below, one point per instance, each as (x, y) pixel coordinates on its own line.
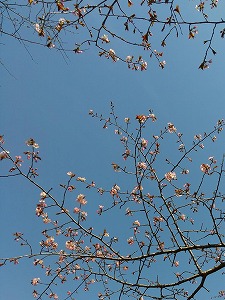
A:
(105, 233)
(211, 158)
(105, 38)
(38, 262)
(18, 235)
(18, 161)
(152, 117)
(2, 139)
(116, 167)
(43, 195)
(198, 137)
(144, 66)
(40, 208)
(49, 243)
(128, 212)
(157, 220)
(39, 29)
(182, 217)
(35, 281)
(193, 31)
(70, 245)
(35, 294)
(4, 155)
(97, 246)
(100, 209)
(54, 296)
(14, 260)
(71, 188)
(82, 179)
(76, 210)
(205, 168)
(99, 253)
(114, 190)
(77, 267)
(135, 193)
(137, 223)
(124, 139)
(142, 165)
(46, 220)
(187, 187)
(31, 142)
(81, 199)
(112, 54)
(60, 24)
(83, 215)
(71, 174)
(179, 192)
(221, 293)
(117, 132)
(130, 241)
(170, 176)
(176, 263)
(129, 58)
(144, 143)
(126, 154)
(171, 128)
(78, 50)
(141, 118)
(161, 246)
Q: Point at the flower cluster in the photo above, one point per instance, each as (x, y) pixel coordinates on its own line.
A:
(114, 190)
(81, 199)
(171, 128)
(4, 155)
(205, 168)
(31, 142)
(170, 176)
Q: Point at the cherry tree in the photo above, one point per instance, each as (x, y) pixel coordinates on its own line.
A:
(115, 28)
(172, 237)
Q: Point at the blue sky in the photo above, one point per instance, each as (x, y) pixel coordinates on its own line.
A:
(48, 99)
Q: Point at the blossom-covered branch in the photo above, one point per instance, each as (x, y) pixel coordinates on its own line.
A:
(171, 218)
(115, 28)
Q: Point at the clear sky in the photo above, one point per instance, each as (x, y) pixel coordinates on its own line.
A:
(48, 98)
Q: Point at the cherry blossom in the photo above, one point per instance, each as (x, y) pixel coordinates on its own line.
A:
(31, 142)
(81, 199)
(35, 281)
(4, 155)
(82, 179)
(144, 143)
(130, 241)
(105, 38)
(158, 212)
(205, 168)
(170, 176)
(171, 128)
